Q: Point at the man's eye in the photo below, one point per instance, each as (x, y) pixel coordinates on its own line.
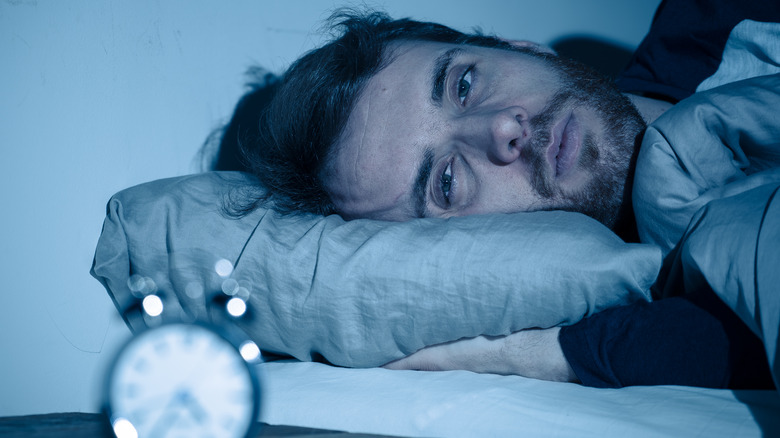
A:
(446, 183)
(464, 86)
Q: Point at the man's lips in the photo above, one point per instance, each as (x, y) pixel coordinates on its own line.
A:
(564, 149)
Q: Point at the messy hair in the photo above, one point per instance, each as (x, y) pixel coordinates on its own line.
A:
(313, 100)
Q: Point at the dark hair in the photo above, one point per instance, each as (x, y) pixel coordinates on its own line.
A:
(314, 99)
(222, 148)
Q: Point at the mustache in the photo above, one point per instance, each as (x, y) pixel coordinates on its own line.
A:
(535, 151)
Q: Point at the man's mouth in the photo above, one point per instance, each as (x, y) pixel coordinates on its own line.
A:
(564, 149)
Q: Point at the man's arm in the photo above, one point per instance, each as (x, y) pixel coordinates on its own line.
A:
(694, 340)
(534, 353)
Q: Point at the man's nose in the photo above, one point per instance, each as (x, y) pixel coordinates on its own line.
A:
(507, 134)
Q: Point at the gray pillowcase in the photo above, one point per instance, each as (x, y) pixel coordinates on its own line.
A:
(362, 293)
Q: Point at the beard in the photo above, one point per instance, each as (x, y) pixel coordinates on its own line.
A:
(609, 163)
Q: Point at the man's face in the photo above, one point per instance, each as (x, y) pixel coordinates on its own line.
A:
(446, 130)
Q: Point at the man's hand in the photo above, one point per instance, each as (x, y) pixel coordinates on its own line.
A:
(534, 353)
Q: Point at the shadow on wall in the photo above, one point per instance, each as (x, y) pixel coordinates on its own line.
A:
(222, 150)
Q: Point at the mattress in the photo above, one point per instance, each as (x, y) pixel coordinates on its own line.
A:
(461, 403)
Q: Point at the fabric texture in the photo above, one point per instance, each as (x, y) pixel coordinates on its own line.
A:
(733, 247)
(716, 144)
(711, 150)
(705, 191)
(753, 49)
(362, 293)
(685, 45)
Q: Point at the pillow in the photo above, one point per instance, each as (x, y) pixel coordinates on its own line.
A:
(362, 293)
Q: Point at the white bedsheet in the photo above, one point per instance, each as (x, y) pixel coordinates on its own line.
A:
(460, 403)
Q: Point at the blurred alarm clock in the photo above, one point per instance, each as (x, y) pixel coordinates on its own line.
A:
(185, 379)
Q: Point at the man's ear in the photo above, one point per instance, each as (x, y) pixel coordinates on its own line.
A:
(531, 45)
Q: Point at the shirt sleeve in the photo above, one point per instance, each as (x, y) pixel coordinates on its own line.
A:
(693, 340)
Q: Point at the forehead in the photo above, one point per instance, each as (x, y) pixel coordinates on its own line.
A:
(377, 156)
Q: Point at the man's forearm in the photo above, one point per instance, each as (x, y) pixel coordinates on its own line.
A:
(534, 353)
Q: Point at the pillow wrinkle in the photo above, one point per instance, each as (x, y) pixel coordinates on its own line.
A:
(362, 293)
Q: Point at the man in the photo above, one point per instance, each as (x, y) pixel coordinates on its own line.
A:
(398, 119)
(314, 107)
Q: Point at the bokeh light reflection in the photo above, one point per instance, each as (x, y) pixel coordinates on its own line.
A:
(243, 293)
(223, 267)
(230, 287)
(249, 351)
(153, 305)
(236, 307)
(194, 290)
(124, 428)
(135, 283)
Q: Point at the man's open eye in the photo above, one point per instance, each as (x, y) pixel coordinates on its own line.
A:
(446, 183)
(464, 86)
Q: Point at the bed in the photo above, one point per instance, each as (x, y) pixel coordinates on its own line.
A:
(332, 300)
(174, 232)
(460, 403)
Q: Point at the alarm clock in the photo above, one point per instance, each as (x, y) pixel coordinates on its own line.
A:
(184, 379)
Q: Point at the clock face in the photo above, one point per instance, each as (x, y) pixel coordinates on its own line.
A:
(182, 380)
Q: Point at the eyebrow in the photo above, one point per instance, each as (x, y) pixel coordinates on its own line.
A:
(439, 74)
(438, 77)
(420, 191)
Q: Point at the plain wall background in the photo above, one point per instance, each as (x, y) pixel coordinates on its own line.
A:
(96, 96)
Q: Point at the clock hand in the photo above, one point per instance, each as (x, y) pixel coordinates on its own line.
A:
(167, 418)
(195, 408)
(147, 406)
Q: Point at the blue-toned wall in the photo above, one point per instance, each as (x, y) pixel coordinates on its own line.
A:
(96, 96)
